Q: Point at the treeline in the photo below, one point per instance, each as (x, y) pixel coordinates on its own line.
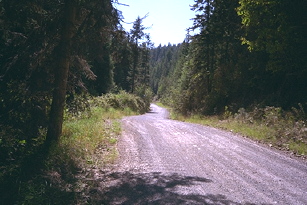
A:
(247, 53)
(53, 54)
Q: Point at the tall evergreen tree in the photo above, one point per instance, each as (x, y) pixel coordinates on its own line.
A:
(140, 45)
(123, 60)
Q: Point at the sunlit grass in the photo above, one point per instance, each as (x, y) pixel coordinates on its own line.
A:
(91, 140)
(298, 147)
(258, 131)
(86, 144)
(254, 131)
(161, 105)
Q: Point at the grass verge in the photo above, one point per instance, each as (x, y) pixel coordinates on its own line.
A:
(284, 131)
(87, 145)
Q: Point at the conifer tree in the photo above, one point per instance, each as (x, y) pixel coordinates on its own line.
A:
(140, 48)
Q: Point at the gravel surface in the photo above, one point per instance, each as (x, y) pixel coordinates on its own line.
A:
(163, 161)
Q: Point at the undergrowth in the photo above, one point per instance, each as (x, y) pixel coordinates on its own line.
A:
(284, 130)
(87, 144)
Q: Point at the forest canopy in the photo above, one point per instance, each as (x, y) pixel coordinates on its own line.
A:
(54, 55)
(247, 53)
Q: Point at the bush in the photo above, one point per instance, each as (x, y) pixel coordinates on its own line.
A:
(122, 100)
(288, 126)
(80, 107)
(89, 132)
(146, 94)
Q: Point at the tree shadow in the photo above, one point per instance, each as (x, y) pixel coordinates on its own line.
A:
(152, 188)
(29, 182)
(152, 112)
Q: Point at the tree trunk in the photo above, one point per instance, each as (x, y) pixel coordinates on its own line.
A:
(61, 74)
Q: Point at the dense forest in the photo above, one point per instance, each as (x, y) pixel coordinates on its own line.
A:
(52, 54)
(247, 53)
(55, 55)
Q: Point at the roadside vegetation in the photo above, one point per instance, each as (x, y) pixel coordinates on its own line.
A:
(246, 54)
(67, 173)
(56, 59)
(284, 130)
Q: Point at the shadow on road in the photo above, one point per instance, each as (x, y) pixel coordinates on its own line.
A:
(153, 188)
(152, 112)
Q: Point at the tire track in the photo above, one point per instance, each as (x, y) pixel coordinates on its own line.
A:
(223, 168)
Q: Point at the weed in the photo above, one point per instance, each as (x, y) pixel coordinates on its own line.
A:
(271, 125)
(227, 114)
(299, 148)
(87, 144)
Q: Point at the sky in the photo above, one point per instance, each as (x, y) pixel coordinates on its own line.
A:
(167, 19)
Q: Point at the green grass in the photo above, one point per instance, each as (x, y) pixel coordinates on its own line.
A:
(256, 132)
(88, 143)
(83, 137)
(276, 135)
(92, 140)
(161, 104)
(298, 147)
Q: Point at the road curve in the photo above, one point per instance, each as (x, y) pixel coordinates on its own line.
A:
(163, 161)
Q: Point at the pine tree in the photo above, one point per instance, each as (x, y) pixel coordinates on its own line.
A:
(140, 48)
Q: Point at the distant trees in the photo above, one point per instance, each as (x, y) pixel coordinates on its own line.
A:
(130, 55)
(207, 71)
(164, 60)
(247, 52)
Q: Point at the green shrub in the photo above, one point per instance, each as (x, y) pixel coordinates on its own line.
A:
(88, 141)
(272, 125)
(286, 126)
(146, 94)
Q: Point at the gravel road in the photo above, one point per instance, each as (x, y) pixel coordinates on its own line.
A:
(163, 161)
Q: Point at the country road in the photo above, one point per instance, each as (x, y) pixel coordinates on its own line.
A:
(163, 161)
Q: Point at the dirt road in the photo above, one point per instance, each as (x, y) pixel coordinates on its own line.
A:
(169, 162)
